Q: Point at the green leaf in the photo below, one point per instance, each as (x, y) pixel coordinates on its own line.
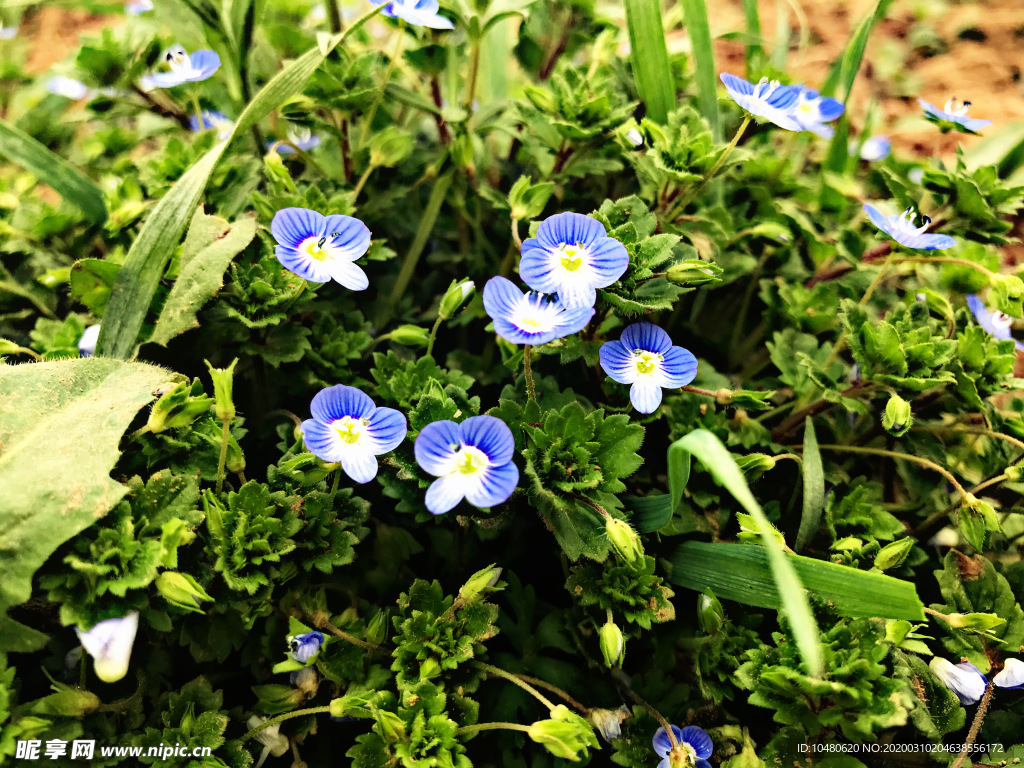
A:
(755, 51)
(741, 572)
(716, 458)
(91, 281)
(695, 12)
(59, 445)
(54, 171)
(678, 472)
(649, 55)
(652, 512)
(211, 245)
(814, 487)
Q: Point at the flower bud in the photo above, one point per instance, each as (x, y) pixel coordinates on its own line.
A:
(693, 272)
(389, 147)
(541, 98)
(635, 138)
(974, 621)
(609, 722)
(754, 465)
(352, 704)
(223, 384)
(305, 680)
(624, 539)
(963, 679)
(1011, 675)
(613, 644)
(377, 627)
(565, 735)
(389, 725)
(892, 555)
(177, 408)
(710, 613)
(66, 702)
(456, 295)
(8, 347)
(410, 335)
(479, 584)
(110, 642)
(898, 417)
(429, 668)
(182, 590)
(1014, 472)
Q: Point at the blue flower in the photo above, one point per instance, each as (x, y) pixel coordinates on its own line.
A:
(110, 643)
(418, 13)
(530, 318)
(67, 87)
(953, 117)
(963, 679)
(644, 357)
(901, 229)
(184, 68)
(995, 322)
(212, 120)
(813, 111)
(321, 248)
(472, 460)
(770, 100)
(347, 427)
(301, 136)
(304, 647)
(876, 148)
(7, 33)
(87, 342)
(138, 7)
(572, 256)
(1011, 676)
(695, 747)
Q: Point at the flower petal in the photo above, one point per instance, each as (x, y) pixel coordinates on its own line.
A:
(609, 260)
(302, 265)
(645, 396)
(110, 642)
(445, 493)
(572, 321)
(491, 435)
(678, 368)
(569, 229)
(206, 62)
(878, 218)
(350, 275)
(501, 297)
(290, 226)
(435, 447)
(661, 742)
(361, 465)
(1011, 675)
(386, 430)
(617, 362)
(494, 485)
(322, 441)
(339, 401)
(349, 234)
(536, 266)
(646, 336)
(698, 739)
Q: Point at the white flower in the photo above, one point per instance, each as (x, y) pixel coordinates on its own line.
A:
(274, 742)
(963, 679)
(110, 645)
(87, 343)
(1011, 675)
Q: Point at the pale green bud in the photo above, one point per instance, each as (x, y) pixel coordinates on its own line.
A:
(377, 627)
(565, 735)
(389, 147)
(710, 613)
(177, 408)
(975, 621)
(479, 584)
(613, 644)
(389, 725)
(624, 539)
(456, 295)
(223, 385)
(898, 417)
(892, 555)
(410, 335)
(693, 272)
(182, 590)
(8, 347)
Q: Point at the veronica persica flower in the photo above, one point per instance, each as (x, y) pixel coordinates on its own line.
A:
(472, 461)
(1011, 675)
(993, 321)
(321, 248)
(348, 428)
(304, 647)
(6, 32)
(302, 137)
(695, 747)
(813, 112)
(901, 229)
(274, 742)
(953, 117)
(875, 148)
(768, 99)
(184, 68)
(87, 342)
(645, 358)
(963, 679)
(67, 87)
(212, 120)
(572, 256)
(110, 643)
(418, 13)
(138, 7)
(530, 318)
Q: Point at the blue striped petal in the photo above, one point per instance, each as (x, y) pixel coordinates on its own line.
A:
(661, 742)
(569, 229)
(206, 61)
(698, 739)
(321, 440)
(164, 80)
(491, 435)
(879, 219)
(361, 466)
(831, 109)
(609, 259)
(572, 321)
(386, 430)
(646, 336)
(302, 265)
(535, 266)
(347, 233)
(445, 493)
(501, 297)
(617, 362)
(736, 86)
(350, 275)
(290, 226)
(495, 485)
(926, 242)
(436, 445)
(645, 396)
(338, 401)
(678, 368)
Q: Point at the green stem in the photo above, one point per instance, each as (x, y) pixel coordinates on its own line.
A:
(531, 392)
(334, 487)
(199, 111)
(468, 730)
(897, 455)
(945, 260)
(979, 718)
(555, 690)
(225, 437)
(516, 680)
(395, 52)
(474, 73)
(965, 430)
(657, 716)
(841, 341)
(333, 16)
(282, 718)
(325, 624)
(362, 182)
(433, 334)
(689, 196)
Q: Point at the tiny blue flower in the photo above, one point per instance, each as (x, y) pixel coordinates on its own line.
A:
(994, 321)
(645, 358)
(320, 248)
(901, 229)
(875, 148)
(184, 68)
(138, 7)
(963, 679)
(1011, 676)
(530, 318)
(953, 117)
(348, 428)
(7, 33)
(301, 136)
(110, 642)
(67, 87)
(212, 120)
(472, 461)
(418, 13)
(813, 111)
(770, 100)
(572, 256)
(695, 747)
(87, 342)
(304, 647)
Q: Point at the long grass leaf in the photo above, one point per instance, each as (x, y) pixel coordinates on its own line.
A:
(755, 50)
(649, 55)
(695, 13)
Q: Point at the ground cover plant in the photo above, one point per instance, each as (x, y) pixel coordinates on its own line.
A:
(476, 383)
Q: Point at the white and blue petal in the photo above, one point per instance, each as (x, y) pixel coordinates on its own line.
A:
(492, 485)
(418, 13)
(661, 742)
(304, 647)
(569, 228)
(445, 493)
(678, 367)
(572, 321)
(491, 435)
(359, 464)
(530, 318)
(336, 402)
(138, 7)
(436, 447)
(953, 116)
(617, 361)
(110, 642)
(291, 226)
(67, 87)
(645, 395)
(87, 342)
(385, 430)
(349, 238)
(322, 441)
(646, 336)
(767, 99)
(698, 739)
(1011, 675)
(204, 63)
(303, 265)
(963, 679)
(609, 260)
(349, 275)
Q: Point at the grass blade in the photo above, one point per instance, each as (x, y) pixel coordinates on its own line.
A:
(814, 487)
(695, 13)
(715, 457)
(755, 51)
(54, 171)
(649, 55)
(742, 573)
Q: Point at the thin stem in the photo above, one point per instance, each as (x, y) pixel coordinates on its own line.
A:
(333, 16)
(474, 73)
(140, 432)
(841, 341)
(323, 623)
(945, 260)
(225, 438)
(937, 517)
(433, 335)
(368, 122)
(492, 670)
(362, 182)
(467, 730)
(979, 718)
(689, 196)
(199, 110)
(699, 391)
(515, 234)
(973, 431)
(897, 455)
(334, 487)
(282, 718)
(991, 481)
(748, 294)
(554, 689)
(656, 714)
(531, 392)
(30, 352)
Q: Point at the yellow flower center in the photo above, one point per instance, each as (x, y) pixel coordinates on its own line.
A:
(646, 362)
(471, 460)
(315, 248)
(572, 260)
(349, 429)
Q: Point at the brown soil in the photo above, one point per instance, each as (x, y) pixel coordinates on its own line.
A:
(55, 32)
